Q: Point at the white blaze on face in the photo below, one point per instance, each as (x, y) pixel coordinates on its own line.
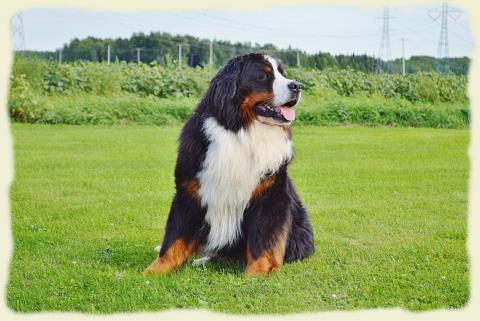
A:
(281, 93)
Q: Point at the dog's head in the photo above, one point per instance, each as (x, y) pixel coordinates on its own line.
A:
(252, 87)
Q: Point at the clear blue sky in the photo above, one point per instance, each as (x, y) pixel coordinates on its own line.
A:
(313, 28)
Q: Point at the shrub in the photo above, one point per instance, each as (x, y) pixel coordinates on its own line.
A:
(169, 81)
(24, 104)
(89, 92)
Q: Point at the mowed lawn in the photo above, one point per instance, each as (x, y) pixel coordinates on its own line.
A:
(388, 206)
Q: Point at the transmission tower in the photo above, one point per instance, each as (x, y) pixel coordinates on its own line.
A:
(444, 12)
(17, 33)
(384, 52)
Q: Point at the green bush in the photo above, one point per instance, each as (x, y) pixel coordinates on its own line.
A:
(118, 78)
(33, 70)
(24, 104)
(307, 77)
(336, 110)
(78, 77)
(169, 81)
(127, 109)
(379, 111)
(163, 82)
(424, 87)
(95, 93)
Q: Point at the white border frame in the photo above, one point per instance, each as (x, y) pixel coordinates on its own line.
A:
(470, 312)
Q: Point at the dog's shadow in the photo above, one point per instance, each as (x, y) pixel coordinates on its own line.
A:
(220, 265)
(133, 258)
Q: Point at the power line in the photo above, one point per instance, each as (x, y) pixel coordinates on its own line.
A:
(413, 31)
(460, 37)
(225, 21)
(229, 23)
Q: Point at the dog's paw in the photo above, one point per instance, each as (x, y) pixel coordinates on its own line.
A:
(160, 266)
(158, 248)
(201, 261)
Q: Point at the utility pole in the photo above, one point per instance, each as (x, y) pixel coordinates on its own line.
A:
(179, 55)
(298, 58)
(17, 33)
(444, 12)
(108, 54)
(191, 60)
(384, 52)
(138, 55)
(403, 55)
(60, 56)
(210, 58)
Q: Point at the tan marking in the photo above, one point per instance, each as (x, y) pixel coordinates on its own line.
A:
(263, 186)
(192, 187)
(267, 69)
(176, 255)
(251, 100)
(271, 259)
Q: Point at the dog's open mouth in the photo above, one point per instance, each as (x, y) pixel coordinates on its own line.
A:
(280, 114)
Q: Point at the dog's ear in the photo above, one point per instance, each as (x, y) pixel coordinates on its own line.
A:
(223, 94)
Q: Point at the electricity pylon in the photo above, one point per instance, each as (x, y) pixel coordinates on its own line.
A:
(444, 12)
(384, 52)
(17, 33)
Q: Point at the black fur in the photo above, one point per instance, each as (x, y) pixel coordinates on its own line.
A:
(278, 207)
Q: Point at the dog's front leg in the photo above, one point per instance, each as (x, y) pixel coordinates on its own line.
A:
(174, 257)
(265, 248)
(180, 241)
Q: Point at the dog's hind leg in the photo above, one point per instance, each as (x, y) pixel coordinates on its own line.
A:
(301, 242)
(266, 241)
(269, 259)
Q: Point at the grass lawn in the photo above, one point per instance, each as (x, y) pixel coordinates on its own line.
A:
(388, 206)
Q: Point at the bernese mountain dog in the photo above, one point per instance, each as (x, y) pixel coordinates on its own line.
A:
(233, 195)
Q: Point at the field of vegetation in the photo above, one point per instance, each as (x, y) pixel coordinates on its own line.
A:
(388, 203)
(122, 93)
(388, 208)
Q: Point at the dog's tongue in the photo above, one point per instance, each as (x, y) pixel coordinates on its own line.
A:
(287, 112)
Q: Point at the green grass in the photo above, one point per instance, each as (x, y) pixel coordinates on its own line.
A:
(388, 206)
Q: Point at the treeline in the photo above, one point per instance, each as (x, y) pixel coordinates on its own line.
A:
(164, 49)
(458, 66)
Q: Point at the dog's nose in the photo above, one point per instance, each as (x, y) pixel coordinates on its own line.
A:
(295, 86)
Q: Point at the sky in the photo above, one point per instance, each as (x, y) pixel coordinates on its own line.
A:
(310, 28)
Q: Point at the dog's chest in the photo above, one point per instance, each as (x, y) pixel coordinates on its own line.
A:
(233, 167)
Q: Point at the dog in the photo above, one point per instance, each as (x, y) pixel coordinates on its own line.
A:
(233, 195)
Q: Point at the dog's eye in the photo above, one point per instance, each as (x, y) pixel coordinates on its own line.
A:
(266, 76)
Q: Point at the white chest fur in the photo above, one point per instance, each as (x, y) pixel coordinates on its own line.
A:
(233, 167)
